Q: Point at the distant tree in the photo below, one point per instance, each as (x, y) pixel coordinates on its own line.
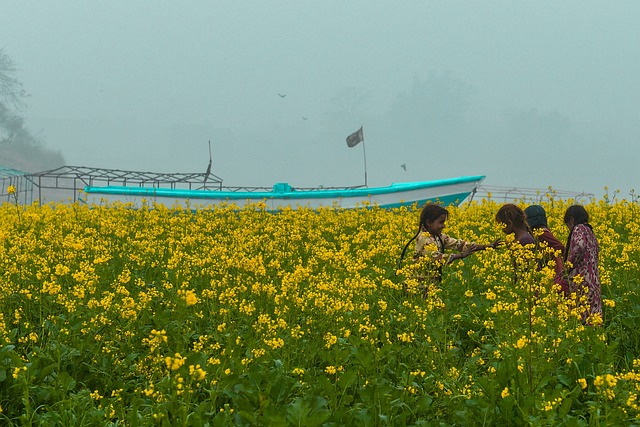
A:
(11, 90)
(11, 125)
(18, 147)
(532, 126)
(435, 105)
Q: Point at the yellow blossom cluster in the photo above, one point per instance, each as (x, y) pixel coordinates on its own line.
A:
(174, 363)
(211, 297)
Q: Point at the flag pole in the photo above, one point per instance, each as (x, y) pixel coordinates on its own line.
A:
(208, 172)
(354, 139)
(364, 155)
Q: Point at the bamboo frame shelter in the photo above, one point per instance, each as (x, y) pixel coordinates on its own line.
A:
(66, 182)
(21, 183)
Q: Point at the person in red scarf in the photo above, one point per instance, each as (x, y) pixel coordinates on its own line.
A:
(537, 219)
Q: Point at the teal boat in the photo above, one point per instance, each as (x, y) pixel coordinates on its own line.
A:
(451, 191)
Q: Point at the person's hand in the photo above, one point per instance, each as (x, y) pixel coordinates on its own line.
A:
(468, 251)
(495, 244)
(454, 257)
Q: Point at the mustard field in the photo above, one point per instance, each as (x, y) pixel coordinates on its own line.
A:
(114, 316)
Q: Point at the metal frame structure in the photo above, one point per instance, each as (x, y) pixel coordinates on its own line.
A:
(21, 183)
(531, 195)
(65, 182)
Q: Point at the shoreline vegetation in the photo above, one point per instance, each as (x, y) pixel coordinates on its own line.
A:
(217, 317)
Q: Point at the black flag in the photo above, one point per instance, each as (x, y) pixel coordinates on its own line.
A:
(355, 138)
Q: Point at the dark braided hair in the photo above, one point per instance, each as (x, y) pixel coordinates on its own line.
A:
(430, 212)
(511, 213)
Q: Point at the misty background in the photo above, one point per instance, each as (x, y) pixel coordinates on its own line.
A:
(530, 94)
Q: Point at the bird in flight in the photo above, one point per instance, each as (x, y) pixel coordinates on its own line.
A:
(403, 166)
(282, 95)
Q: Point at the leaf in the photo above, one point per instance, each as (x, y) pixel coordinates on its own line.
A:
(363, 356)
(48, 370)
(565, 407)
(131, 357)
(365, 417)
(66, 381)
(348, 378)
(423, 403)
(304, 413)
(298, 411)
(564, 380)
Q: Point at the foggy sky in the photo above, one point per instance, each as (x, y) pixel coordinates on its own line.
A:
(530, 94)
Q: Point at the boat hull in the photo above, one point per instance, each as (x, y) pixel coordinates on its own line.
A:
(446, 191)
